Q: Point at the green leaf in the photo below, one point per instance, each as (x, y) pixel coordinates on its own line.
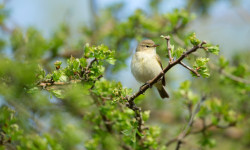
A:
(213, 49)
(145, 115)
(56, 75)
(214, 120)
(57, 64)
(201, 67)
(240, 71)
(40, 73)
(126, 132)
(194, 40)
(33, 90)
(207, 141)
(17, 39)
(185, 85)
(83, 62)
(111, 61)
(178, 52)
(57, 93)
(63, 78)
(223, 62)
(2, 44)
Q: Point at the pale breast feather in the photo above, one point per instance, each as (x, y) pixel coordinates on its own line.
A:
(144, 66)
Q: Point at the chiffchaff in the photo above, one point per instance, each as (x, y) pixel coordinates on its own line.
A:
(146, 65)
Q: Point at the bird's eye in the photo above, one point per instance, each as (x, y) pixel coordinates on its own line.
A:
(147, 46)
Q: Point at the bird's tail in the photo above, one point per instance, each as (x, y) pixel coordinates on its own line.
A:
(162, 91)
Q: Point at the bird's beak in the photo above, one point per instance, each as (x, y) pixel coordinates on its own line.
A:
(156, 45)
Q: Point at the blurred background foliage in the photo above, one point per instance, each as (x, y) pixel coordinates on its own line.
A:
(63, 83)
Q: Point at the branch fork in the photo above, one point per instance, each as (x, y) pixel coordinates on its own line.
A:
(195, 71)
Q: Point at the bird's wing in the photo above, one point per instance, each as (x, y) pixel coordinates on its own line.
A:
(159, 61)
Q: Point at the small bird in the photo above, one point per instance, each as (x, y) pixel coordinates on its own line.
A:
(146, 65)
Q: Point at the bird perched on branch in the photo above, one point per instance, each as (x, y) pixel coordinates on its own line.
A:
(146, 65)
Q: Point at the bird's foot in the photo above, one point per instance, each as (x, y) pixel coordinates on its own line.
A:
(146, 84)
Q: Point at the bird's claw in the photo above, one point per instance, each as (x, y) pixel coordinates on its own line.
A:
(146, 84)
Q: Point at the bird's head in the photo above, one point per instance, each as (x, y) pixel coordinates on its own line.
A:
(146, 45)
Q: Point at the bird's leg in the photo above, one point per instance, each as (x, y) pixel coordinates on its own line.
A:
(148, 83)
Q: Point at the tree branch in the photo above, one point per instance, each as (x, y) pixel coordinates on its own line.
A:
(84, 72)
(190, 123)
(205, 127)
(131, 104)
(91, 63)
(107, 123)
(167, 38)
(49, 83)
(138, 117)
(178, 26)
(166, 69)
(230, 76)
(98, 78)
(189, 68)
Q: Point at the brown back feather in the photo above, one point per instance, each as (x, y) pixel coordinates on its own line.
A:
(159, 61)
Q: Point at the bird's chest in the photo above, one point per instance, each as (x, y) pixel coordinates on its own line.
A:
(145, 66)
(142, 60)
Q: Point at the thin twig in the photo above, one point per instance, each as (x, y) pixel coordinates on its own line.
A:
(178, 26)
(203, 130)
(91, 63)
(232, 77)
(98, 78)
(226, 74)
(45, 84)
(189, 68)
(167, 38)
(86, 71)
(178, 41)
(190, 123)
